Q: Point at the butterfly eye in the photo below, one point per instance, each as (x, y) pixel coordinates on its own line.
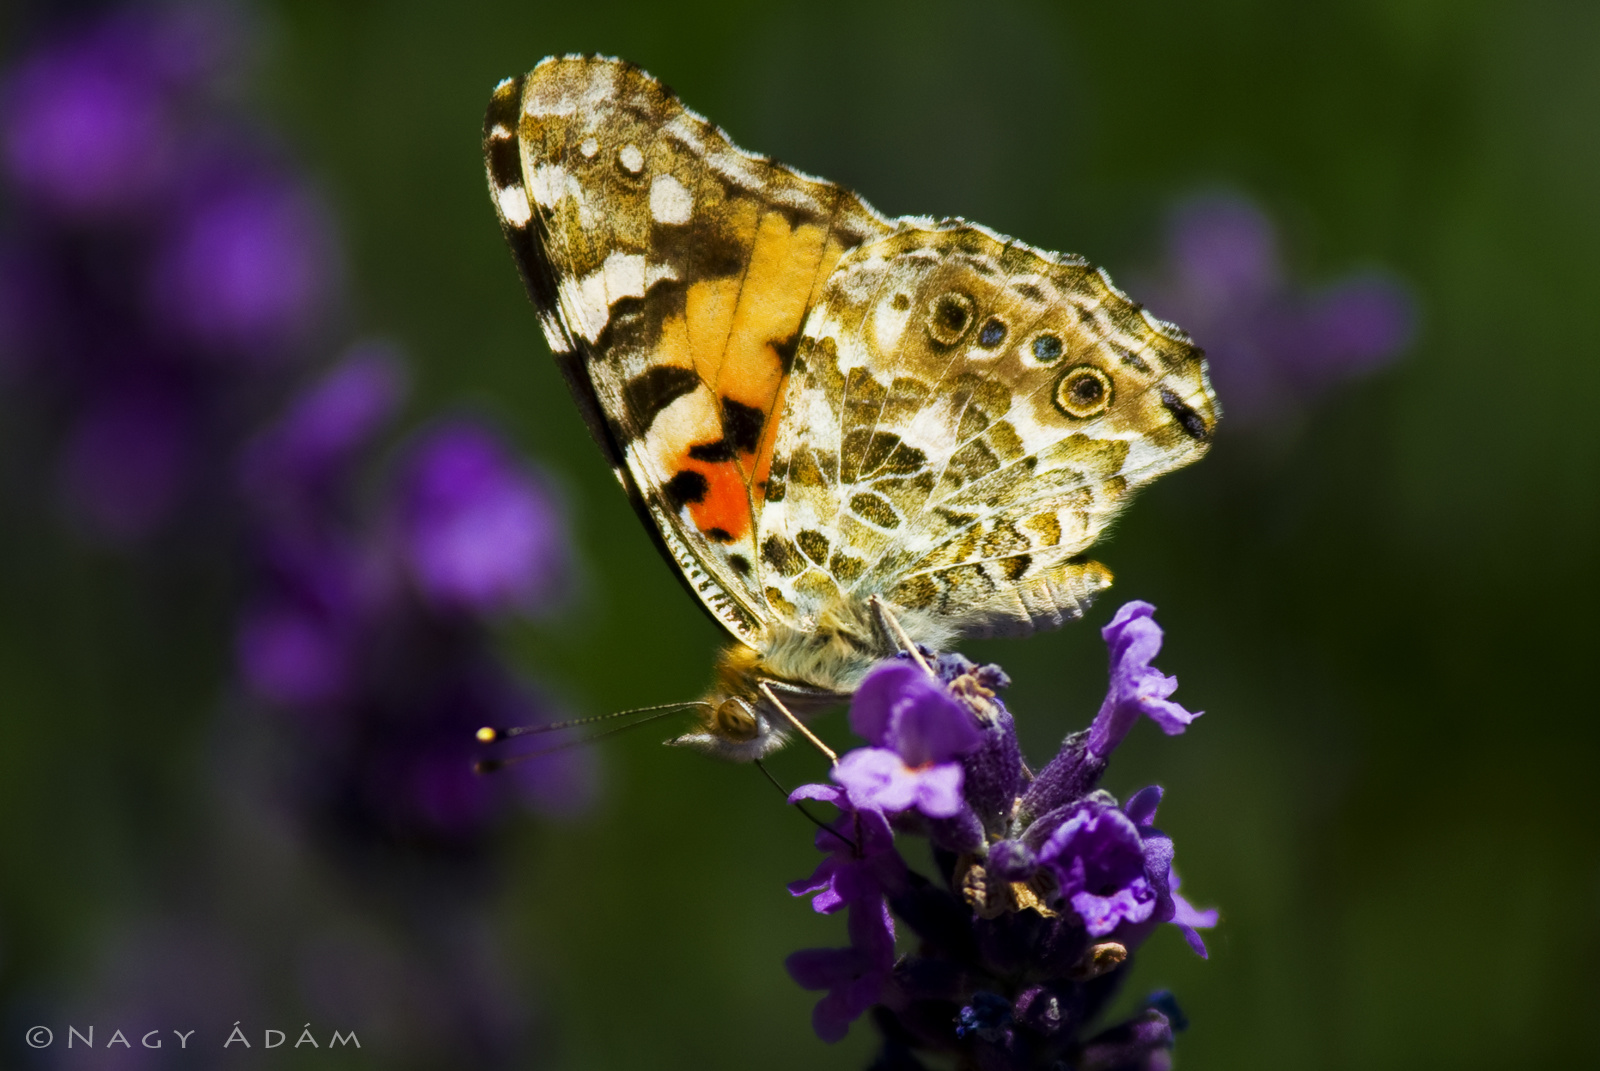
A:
(1046, 349)
(951, 315)
(735, 721)
(1083, 392)
(992, 333)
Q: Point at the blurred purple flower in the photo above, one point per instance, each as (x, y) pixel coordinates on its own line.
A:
(298, 468)
(91, 123)
(370, 624)
(1271, 344)
(163, 272)
(920, 732)
(126, 459)
(477, 531)
(248, 270)
(88, 128)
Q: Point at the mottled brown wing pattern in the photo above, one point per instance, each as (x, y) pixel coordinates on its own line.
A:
(672, 273)
(965, 416)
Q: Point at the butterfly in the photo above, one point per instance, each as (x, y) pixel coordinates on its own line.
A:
(849, 434)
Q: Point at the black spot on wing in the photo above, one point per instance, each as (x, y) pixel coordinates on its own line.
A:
(686, 487)
(741, 425)
(718, 535)
(651, 391)
(717, 451)
(504, 160)
(1192, 423)
(786, 351)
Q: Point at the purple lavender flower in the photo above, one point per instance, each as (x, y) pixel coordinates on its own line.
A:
(478, 533)
(1098, 863)
(1271, 344)
(920, 732)
(297, 470)
(861, 871)
(88, 124)
(370, 625)
(247, 269)
(1137, 687)
(162, 282)
(1025, 934)
(862, 864)
(853, 976)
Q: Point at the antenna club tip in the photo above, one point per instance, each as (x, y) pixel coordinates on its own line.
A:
(488, 735)
(487, 766)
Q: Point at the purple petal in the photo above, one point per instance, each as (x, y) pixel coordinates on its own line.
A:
(290, 656)
(938, 790)
(1225, 250)
(1355, 326)
(478, 532)
(87, 130)
(826, 793)
(931, 727)
(249, 270)
(875, 777)
(901, 707)
(871, 711)
(1136, 686)
(878, 778)
(1134, 902)
(1141, 806)
(325, 428)
(1193, 939)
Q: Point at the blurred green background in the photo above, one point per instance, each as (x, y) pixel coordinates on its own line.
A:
(1385, 609)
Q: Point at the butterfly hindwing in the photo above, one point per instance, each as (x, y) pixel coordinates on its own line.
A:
(672, 273)
(965, 416)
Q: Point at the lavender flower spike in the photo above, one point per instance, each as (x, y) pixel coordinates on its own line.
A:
(1043, 885)
(1137, 687)
(920, 732)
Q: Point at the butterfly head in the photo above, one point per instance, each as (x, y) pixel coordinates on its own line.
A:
(736, 728)
(740, 720)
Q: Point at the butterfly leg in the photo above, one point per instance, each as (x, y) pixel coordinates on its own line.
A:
(766, 690)
(892, 626)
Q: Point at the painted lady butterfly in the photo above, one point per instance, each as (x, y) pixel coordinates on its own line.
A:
(838, 426)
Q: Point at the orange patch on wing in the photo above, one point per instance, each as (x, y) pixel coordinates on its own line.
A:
(726, 504)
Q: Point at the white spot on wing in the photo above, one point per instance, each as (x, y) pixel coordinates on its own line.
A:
(548, 184)
(499, 132)
(589, 147)
(588, 301)
(514, 205)
(669, 201)
(631, 159)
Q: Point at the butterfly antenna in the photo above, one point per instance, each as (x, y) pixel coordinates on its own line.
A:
(900, 636)
(489, 734)
(800, 805)
(489, 766)
(816, 741)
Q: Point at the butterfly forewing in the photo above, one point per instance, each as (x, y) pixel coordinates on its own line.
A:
(672, 273)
